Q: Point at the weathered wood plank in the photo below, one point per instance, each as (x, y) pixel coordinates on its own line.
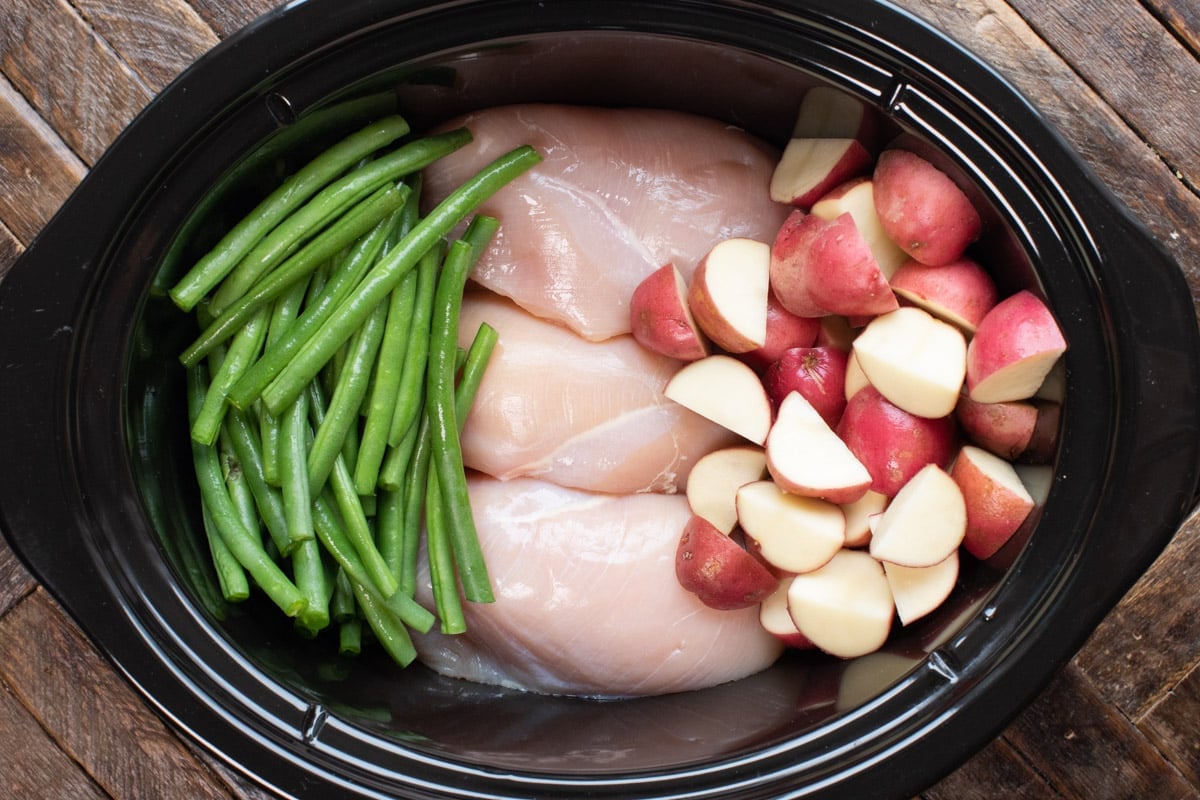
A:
(229, 16)
(1180, 16)
(15, 580)
(97, 717)
(157, 38)
(37, 170)
(1087, 749)
(33, 766)
(70, 75)
(1148, 643)
(1174, 725)
(996, 771)
(1101, 136)
(10, 248)
(1135, 64)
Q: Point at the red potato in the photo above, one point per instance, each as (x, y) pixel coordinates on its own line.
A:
(997, 503)
(724, 390)
(808, 168)
(856, 379)
(818, 373)
(661, 320)
(791, 533)
(845, 608)
(960, 292)
(715, 478)
(788, 279)
(836, 331)
(728, 294)
(1018, 430)
(1013, 349)
(806, 457)
(891, 443)
(914, 360)
(774, 617)
(925, 522)
(857, 198)
(922, 209)
(835, 268)
(829, 113)
(785, 330)
(917, 591)
(719, 571)
(859, 516)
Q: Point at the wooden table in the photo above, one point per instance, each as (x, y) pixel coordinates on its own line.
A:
(1120, 78)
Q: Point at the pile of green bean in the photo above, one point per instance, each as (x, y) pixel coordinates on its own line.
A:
(327, 390)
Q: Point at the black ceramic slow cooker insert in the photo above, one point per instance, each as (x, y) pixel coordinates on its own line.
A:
(96, 493)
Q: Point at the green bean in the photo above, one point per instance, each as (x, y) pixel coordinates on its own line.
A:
(389, 533)
(387, 628)
(246, 548)
(415, 489)
(267, 499)
(350, 506)
(386, 275)
(441, 560)
(411, 392)
(396, 462)
(350, 636)
(217, 263)
(230, 575)
(283, 315)
(237, 483)
(356, 222)
(473, 370)
(347, 399)
(342, 605)
(293, 472)
(364, 253)
(241, 353)
(333, 536)
(328, 204)
(308, 570)
(388, 367)
(441, 411)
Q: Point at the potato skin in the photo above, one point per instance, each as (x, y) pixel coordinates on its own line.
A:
(891, 443)
(922, 209)
(660, 319)
(719, 571)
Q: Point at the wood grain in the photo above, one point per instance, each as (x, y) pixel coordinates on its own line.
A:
(158, 39)
(1174, 725)
(10, 249)
(68, 74)
(37, 170)
(1181, 18)
(99, 721)
(15, 580)
(229, 16)
(1135, 64)
(997, 771)
(1148, 644)
(34, 766)
(1090, 750)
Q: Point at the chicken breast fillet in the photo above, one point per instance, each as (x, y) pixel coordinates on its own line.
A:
(619, 193)
(587, 602)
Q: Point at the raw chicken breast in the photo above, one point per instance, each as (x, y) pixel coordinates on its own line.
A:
(587, 602)
(619, 194)
(590, 415)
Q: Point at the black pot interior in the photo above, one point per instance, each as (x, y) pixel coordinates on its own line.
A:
(807, 712)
